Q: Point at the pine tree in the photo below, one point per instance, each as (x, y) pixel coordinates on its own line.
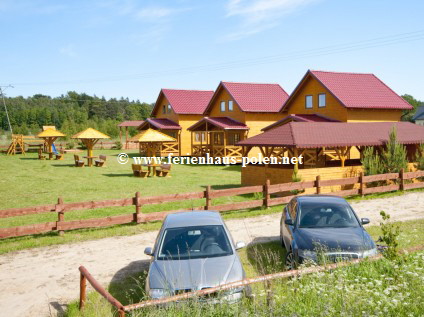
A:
(394, 156)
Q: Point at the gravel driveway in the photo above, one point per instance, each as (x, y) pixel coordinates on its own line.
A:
(39, 281)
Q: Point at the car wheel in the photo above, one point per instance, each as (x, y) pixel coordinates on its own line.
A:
(290, 261)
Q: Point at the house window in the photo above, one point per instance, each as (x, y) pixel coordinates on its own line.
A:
(230, 105)
(164, 109)
(322, 102)
(169, 108)
(199, 137)
(308, 102)
(234, 138)
(222, 106)
(217, 139)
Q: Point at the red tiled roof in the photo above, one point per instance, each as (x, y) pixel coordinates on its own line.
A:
(255, 97)
(159, 123)
(185, 101)
(130, 123)
(356, 90)
(220, 122)
(301, 118)
(336, 134)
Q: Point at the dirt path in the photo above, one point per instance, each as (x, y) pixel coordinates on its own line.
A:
(39, 282)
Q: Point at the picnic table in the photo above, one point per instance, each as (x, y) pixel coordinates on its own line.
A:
(90, 160)
(152, 169)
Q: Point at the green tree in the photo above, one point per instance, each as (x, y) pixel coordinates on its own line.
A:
(394, 156)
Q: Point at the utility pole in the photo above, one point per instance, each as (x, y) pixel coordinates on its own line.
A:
(4, 103)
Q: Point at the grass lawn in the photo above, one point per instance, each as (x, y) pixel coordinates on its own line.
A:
(393, 288)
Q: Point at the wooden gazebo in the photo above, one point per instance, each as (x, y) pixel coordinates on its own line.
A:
(50, 135)
(90, 137)
(150, 141)
(327, 148)
(217, 136)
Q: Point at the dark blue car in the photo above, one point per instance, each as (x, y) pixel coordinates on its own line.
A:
(322, 226)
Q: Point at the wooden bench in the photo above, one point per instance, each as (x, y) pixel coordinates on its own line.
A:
(138, 171)
(78, 162)
(40, 154)
(60, 155)
(164, 170)
(101, 161)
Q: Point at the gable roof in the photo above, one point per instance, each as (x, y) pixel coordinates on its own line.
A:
(151, 135)
(225, 123)
(185, 101)
(253, 97)
(355, 90)
(159, 123)
(316, 117)
(336, 134)
(419, 114)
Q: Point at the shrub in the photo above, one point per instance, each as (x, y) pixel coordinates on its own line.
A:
(394, 156)
(118, 145)
(371, 162)
(390, 235)
(419, 157)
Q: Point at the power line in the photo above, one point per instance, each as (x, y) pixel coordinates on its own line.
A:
(327, 50)
(4, 103)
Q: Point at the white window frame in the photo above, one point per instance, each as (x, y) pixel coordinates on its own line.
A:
(319, 100)
(230, 105)
(306, 101)
(222, 106)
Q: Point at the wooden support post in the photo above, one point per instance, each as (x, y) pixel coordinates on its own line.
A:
(266, 194)
(361, 184)
(318, 184)
(402, 179)
(83, 291)
(136, 202)
(60, 215)
(208, 198)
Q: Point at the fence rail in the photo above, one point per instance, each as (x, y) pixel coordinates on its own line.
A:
(138, 201)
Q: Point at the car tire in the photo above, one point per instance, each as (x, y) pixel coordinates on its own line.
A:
(290, 261)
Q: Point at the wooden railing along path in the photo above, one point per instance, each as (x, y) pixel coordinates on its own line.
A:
(139, 201)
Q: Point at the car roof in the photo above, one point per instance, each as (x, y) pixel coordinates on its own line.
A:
(320, 198)
(192, 218)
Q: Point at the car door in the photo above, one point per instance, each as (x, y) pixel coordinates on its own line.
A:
(287, 230)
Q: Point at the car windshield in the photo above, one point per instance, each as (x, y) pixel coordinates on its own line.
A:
(194, 243)
(326, 214)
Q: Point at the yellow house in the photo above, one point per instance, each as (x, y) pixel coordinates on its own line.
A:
(345, 97)
(235, 112)
(174, 111)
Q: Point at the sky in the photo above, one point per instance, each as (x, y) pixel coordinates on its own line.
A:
(134, 48)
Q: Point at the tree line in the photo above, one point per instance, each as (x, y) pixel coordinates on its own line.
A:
(70, 113)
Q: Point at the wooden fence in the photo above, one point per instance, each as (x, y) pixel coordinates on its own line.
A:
(138, 201)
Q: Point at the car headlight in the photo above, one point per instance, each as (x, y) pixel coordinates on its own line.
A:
(370, 252)
(157, 293)
(308, 254)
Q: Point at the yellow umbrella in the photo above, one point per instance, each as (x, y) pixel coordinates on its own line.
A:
(151, 139)
(90, 137)
(49, 136)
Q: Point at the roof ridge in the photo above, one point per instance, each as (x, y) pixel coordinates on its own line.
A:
(334, 72)
(250, 83)
(178, 89)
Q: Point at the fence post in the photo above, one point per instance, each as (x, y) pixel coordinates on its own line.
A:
(402, 179)
(208, 197)
(83, 290)
(121, 313)
(361, 184)
(137, 215)
(266, 194)
(60, 215)
(318, 184)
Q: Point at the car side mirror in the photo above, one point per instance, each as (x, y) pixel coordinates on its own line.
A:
(365, 221)
(288, 222)
(148, 251)
(240, 245)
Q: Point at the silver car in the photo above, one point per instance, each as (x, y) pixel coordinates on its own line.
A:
(194, 251)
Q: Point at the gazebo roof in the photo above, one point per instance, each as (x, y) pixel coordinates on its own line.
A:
(159, 123)
(50, 133)
(90, 133)
(151, 135)
(224, 123)
(336, 134)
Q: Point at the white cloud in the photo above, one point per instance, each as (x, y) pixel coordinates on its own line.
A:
(259, 15)
(68, 50)
(154, 13)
